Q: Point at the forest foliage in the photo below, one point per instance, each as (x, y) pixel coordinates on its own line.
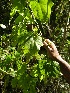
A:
(25, 66)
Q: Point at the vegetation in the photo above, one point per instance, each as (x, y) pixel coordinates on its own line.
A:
(25, 66)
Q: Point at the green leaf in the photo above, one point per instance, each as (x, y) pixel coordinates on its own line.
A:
(41, 78)
(41, 9)
(13, 11)
(12, 72)
(44, 2)
(33, 45)
(35, 6)
(39, 42)
(50, 4)
(19, 19)
(20, 4)
(8, 58)
(68, 41)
